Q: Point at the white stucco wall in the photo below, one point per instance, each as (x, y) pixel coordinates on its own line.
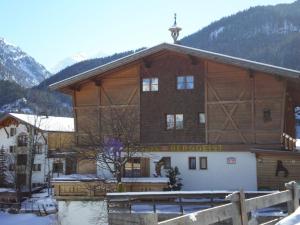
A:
(7, 141)
(218, 176)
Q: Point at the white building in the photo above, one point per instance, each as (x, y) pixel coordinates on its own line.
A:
(17, 131)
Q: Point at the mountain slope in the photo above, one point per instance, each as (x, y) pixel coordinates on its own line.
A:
(17, 66)
(269, 34)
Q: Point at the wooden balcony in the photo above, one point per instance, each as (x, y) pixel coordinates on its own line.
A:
(93, 188)
(288, 142)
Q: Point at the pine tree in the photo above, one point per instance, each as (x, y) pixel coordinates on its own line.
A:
(3, 168)
(174, 179)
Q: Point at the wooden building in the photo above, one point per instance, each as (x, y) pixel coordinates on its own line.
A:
(220, 119)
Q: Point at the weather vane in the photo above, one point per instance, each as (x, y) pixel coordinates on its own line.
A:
(175, 30)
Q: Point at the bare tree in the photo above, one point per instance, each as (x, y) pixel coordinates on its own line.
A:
(116, 142)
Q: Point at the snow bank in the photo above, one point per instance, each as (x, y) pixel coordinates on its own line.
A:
(26, 219)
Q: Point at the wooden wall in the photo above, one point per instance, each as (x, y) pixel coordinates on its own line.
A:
(168, 100)
(235, 103)
(60, 140)
(266, 171)
(101, 102)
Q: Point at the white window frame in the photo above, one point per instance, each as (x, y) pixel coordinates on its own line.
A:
(150, 84)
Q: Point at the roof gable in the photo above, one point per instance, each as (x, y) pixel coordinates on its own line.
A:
(243, 63)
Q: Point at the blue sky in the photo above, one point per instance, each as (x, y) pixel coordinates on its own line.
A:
(54, 29)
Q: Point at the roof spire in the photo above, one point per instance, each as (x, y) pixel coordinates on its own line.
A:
(175, 30)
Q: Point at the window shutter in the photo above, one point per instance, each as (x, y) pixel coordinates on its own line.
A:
(145, 167)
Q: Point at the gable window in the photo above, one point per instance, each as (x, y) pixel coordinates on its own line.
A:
(185, 82)
(150, 84)
(13, 131)
(267, 115)
(202, 118)
(203, 163)
(36, 167)
(192, 163)
(174, 121)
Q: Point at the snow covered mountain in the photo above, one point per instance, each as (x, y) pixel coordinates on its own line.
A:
(78, 57)
(17, 66)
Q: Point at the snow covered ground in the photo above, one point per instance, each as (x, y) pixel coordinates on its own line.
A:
(40, 202)
(293, 219)
(26, 219)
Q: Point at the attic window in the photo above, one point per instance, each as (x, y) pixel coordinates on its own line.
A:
(267, 115)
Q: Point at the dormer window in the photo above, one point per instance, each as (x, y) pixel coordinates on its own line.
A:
(150, 84)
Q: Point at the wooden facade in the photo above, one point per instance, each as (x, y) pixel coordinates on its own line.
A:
(247, 105)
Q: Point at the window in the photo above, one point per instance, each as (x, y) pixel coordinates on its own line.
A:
(38, 149)
(267, 115)
(150, 84)
(21, 159)
(192, 163)
(22, 140)
(13, 131)
(58, 167)
(203, 163)
(201, 118)
(185, 82)
(36, 167)
(133, 168)
(167, 162)
(12, 149)
(174, 121)
(11, 167)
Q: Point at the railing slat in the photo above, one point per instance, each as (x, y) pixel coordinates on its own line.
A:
(204, 217)
(268, 200)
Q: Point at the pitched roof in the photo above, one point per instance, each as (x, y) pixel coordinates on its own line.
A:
(50, 123)
(248, 64)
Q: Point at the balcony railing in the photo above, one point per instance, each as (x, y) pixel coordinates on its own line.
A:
(288, 142)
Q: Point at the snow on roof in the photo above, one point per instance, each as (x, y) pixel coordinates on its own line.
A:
(47, 123)
(92, 177)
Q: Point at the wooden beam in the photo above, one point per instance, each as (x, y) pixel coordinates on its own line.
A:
(206, 103)
(193, 59)
(147, 63)
(253, 114)
(6, 132)
(283, 108)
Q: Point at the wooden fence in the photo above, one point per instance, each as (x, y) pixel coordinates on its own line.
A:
(239, 208)
(126, 202)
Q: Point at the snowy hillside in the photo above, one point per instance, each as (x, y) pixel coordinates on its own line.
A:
(17, 66)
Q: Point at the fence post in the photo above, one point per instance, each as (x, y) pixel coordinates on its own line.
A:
(239, 213)
(294, 204)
